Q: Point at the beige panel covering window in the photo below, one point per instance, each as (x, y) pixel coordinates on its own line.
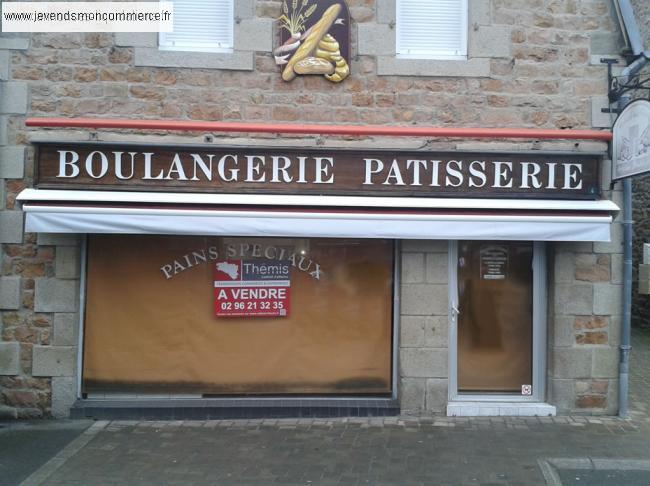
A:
(146, 333)
(495, 325)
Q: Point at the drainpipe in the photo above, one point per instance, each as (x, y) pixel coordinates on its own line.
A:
(631, 32)
(625, 346)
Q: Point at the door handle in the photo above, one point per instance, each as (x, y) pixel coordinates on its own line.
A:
(455, 309)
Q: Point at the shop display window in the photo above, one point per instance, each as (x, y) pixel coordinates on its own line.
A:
(175, 315)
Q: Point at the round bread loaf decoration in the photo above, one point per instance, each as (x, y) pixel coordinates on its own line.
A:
(315, 49)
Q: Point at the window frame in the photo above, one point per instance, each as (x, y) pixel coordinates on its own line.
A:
(460, 55)
(540, 325)
(165, 45)
(394, 315)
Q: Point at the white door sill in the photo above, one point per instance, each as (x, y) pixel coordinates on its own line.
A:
(500, 409)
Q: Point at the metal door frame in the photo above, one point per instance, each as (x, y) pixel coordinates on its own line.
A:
(539, 331)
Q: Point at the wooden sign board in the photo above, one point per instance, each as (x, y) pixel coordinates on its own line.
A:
(130, 167)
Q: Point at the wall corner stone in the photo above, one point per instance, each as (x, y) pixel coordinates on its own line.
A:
(54, 361)
(9, 358)
(9, 293)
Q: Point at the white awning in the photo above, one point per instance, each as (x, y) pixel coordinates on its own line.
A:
(57, 211)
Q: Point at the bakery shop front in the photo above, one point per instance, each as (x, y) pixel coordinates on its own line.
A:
(232, 282)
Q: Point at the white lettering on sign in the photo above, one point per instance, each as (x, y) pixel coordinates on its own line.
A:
(65, 163)
(454, 173)
(571, 174)
(250, 293)
(373, 166)
(189, 260)
(206, 168)
(281, 165)
(91, 166)
(119, 172)
(232, 172)
(502, 172)
(415, 174)
(315, 170)
(324, 166)
(477, 174)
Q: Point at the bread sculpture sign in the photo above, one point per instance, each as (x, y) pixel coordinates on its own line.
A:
(315, 39)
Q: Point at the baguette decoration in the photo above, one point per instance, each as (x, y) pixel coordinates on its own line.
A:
(317, 53)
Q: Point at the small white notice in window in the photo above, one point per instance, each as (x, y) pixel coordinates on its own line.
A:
(494, 262)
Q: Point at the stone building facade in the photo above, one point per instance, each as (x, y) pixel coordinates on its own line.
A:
(641, 189)
(531, 63)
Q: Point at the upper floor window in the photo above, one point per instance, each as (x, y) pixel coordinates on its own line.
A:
(200, 25)
(429, 29)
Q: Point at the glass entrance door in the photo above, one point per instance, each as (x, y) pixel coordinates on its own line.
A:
(495, 317)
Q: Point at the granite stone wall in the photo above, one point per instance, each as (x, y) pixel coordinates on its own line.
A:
(424, 324)
(532, 63)
(584, 321)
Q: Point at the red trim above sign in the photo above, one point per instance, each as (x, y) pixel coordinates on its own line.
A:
(357, 130)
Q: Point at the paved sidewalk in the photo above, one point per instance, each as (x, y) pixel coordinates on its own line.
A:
(389, 451)
(26, 445)
(379, 451)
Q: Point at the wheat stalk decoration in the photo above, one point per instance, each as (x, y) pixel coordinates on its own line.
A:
(295, 22)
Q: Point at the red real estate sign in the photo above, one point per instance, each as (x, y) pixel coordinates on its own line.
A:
(251, 288)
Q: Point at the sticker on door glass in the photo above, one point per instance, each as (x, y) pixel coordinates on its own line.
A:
(252, 288)
(494, 262)
(527, 390)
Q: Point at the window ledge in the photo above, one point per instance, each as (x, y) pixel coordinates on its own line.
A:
(154, 57)
(432, 57)
(392, 66)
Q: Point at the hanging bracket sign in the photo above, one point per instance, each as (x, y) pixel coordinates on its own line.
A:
(631, 141)
(252, 288)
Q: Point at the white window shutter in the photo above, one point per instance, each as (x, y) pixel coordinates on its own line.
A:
(434, 29)
(200, 25)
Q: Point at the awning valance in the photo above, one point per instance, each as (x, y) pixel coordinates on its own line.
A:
(63, 211)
